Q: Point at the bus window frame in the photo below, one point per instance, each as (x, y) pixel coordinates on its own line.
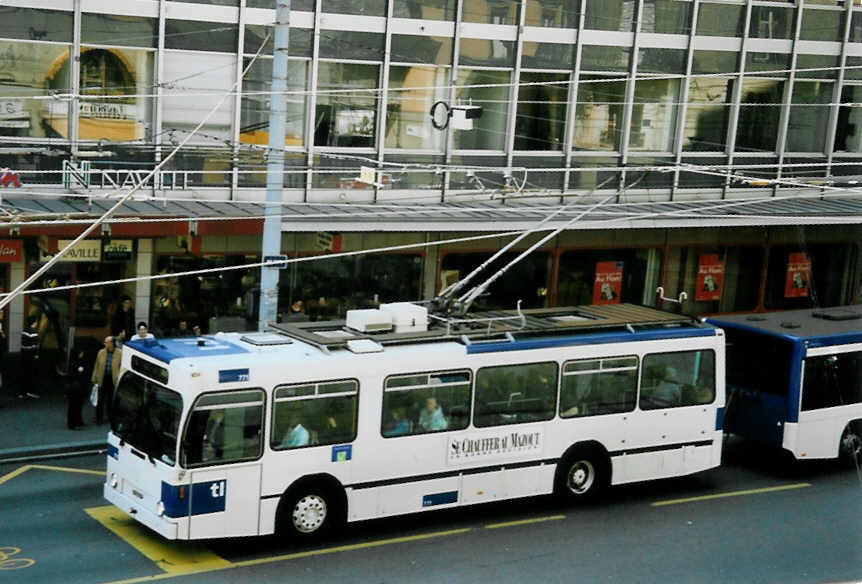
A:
(636, 368)
(470, 388)
(643, 358)
(555, 406)
(316, 395)
(192, 409)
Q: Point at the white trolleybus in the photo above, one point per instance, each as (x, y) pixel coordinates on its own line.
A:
(317, 423)
(795, 380)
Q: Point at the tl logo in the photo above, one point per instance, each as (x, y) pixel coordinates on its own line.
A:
(217, 489)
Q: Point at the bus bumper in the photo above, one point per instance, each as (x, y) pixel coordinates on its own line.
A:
(135, 510)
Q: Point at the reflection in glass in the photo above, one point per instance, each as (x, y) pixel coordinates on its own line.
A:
(822, 25)
(299, 41)
(768, 64)
(707, 114)
(541, 117)
(208, 77)
(421, 49)
(349, 118)
(715, 62)
(588, 174)
(552, 13)
(487, 52)
(715, 19)
(489, 131)
(362, 7)
(848, 135)
(201, 36)
(666, 16)
(36, 25)
(654, 114)
(661, 61)
(254, 116)
(342, 44)
(809, 116)
(111, 29)
(547, 56)
(757, 128)
(295, 5)
(414, 90)
(424, 9)
(771, 22)
(818, 66)
(616, 15)
(597, 58)
(491, 11)
(599, 114)
(28, 69)
(115, 72)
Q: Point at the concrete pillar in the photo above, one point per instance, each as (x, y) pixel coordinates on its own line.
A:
(144, 265)
(17, 274)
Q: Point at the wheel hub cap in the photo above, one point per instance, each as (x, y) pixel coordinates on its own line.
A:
(309, 514)
(581, 477)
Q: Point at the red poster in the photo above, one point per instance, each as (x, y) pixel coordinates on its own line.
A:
(798, 276)
(609, 282)
(710, 275)
(11, 250)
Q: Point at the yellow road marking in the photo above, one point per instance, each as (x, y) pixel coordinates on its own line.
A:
(68, 469)
(15, 473)
(171, 556)
(731, 494)
(524, 521)
(299, 555)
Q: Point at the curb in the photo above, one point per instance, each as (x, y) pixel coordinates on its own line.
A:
(65, 450)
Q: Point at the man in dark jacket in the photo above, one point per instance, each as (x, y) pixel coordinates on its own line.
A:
(123, 322)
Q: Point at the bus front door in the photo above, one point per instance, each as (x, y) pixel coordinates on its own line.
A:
(225, 501)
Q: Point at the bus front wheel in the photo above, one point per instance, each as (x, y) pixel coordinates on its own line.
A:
(582, 474)
(308, 513)
(850, 448)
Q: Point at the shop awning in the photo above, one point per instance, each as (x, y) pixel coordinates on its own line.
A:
(487, 216)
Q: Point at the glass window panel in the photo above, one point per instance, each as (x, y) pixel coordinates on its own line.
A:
(28, 69)
(771, 22)
(595, 58)
(362, 7)
(597, 392)
(429, 408)
(822, 25)
(110, 29)
(537, 175)
(299, 41)
(540, 121)
(115, 72)
(493, 12)
(829, 277)
(551, 14)
(209, 77)
(654, 114)
(832, 380)
(421, 49)
(742, 267)
(413, 90)
(342, 44)
(853, 68)
(690, 179)
(856, 28)
(219, 435)
(648, 179)
(251, 165)
(666, 16)
(213, 2)
(819, 66)
(661, 61)
(489, 131)
(528, 280)
(584, 177)
(201, 36)
(577, 272)
(616, 15)
(515, 394)
(848, 134)
(424, 9)
(486, 52)
(313, 422)
(254, 116)
(599, 114)
(708, 113)
(715, 62)
(757, 129)
(350, 118)
(768, 64)
(809, 116)
(301, 5)
(715, 19)
(677, 379)
(547, 56)
(36, 25)
(420, 173)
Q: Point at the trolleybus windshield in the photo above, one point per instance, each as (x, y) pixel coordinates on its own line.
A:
(147, 416)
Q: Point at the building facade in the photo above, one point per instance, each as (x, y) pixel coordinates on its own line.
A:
(623, 102)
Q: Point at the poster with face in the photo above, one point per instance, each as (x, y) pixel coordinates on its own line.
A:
(609, 282)
(710, 276)
(798, 276)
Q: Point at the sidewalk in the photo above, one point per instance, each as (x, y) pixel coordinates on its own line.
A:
(34, 428)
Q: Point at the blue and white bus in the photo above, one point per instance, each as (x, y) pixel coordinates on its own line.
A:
(313, 424)
(795, 379)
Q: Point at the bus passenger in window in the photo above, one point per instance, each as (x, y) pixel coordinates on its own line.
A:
(667, 391)
(297, 435)
(431, 417)
(399, 425)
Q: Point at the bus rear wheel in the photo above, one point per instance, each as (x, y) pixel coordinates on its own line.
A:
(850, 448)
(307, 514)
(582, 474)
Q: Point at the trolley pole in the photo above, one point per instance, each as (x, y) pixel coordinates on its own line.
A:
(274, 167)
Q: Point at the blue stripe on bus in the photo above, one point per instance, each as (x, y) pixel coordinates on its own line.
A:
(591, 339)
(440, 498)
(166, 350)
(113, 452)
(205, 497)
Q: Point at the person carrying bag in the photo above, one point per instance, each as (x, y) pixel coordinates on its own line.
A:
(106, 372)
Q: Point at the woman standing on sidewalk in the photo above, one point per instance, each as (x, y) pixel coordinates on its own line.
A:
(106, 372)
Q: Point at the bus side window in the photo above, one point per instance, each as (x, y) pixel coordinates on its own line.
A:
(683, 378)
(224, 427)
(832, 380)
(513, 394)
(314, 414)
(598, 386)
(427, 402)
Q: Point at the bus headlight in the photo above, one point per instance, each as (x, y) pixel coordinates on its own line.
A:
(114, 480)
(160, 508)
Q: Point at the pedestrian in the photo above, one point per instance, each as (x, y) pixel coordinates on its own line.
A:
(183, 329)
(123, 321)
(76, 389)
(30, 345)
(142, 333)
(106, 371)
(196, 330)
